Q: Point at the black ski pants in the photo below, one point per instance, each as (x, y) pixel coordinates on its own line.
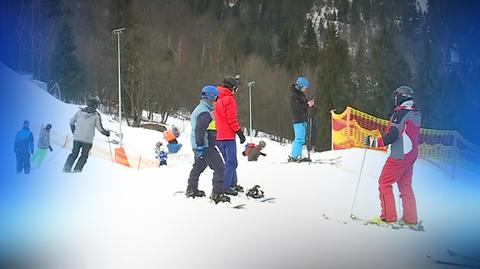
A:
(210, 158)
(77, 145)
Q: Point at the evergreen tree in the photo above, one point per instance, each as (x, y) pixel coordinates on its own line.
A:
(65, 67)
(334, 84)
(389, 70)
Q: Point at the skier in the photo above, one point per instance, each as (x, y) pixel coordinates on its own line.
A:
(203, 145)
(299, 105)
(23, 147)
(83, 125)
(227, 126)
(403, 134)
(42, 146)
(253, 151)
(160, 154)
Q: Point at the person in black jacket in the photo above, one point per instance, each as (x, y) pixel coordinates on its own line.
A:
(299, 105)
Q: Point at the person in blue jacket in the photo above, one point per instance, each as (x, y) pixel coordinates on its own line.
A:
(23, 147)
(203, 142)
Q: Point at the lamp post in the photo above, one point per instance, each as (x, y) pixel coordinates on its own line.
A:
(118, 32)
(250, 86)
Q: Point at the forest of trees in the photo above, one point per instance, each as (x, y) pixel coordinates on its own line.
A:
(355, 52)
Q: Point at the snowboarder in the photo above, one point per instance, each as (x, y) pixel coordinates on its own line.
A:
(299, 105)
(23, 147)
(403, 134)
(42, 146)
(203, 145)
(160, 154)
(227, 126)
(253, 151)
(83, 125)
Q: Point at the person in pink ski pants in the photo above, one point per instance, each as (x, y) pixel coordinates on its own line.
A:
(403, 134)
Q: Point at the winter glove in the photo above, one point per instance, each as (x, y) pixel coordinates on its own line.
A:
(241, 136)
(50, 147)
(199, 151)
(371, 142)
(72, 127)
(106, 133)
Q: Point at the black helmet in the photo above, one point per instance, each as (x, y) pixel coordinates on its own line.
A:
(232, 82)
(402, 94)
(93, 102)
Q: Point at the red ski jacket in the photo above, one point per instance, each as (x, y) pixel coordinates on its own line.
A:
(225, 114)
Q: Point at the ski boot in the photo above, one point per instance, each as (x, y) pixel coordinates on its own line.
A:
(255, 192)
(238, 188)
(219, 197)
(231, 192)
(194, 193)
(413, 226)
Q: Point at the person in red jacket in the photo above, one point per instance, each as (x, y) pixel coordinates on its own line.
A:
(403, 134)
(225, 114)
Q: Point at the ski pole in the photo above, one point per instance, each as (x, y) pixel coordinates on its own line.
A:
(110, 147)
(358, 182)
(58, 150)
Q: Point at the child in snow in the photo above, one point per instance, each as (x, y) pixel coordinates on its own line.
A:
(403, 134)
(171, 137)
(160, 154)
(253, 151)
(42, 146)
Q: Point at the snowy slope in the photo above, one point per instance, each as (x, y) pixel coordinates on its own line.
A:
(111, 216)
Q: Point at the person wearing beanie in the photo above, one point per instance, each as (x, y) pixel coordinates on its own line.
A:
(42, 146)
(253, 151)
(83, 125)
(23, 147)
(226, 120)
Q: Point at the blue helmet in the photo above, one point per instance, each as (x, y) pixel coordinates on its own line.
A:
(209, 92)
(302, 82)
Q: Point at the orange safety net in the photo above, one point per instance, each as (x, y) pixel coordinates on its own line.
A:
(350, 128)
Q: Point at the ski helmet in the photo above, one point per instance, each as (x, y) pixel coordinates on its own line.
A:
(209, 92)
(48, 127)
(232, 82)
(402, 94)
(302, 82)
(93, 102)
(262, 144)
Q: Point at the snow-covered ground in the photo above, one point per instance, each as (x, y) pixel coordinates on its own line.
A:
(116, 217)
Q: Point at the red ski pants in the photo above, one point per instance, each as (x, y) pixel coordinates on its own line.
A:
(400, 172)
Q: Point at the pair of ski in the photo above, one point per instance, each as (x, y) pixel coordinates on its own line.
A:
(332, 161)
(236, 204)
(395, 225)
(457, 260)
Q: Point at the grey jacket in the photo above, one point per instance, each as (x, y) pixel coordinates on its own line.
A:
(44, 139)
(83, 125)
(403, 133)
